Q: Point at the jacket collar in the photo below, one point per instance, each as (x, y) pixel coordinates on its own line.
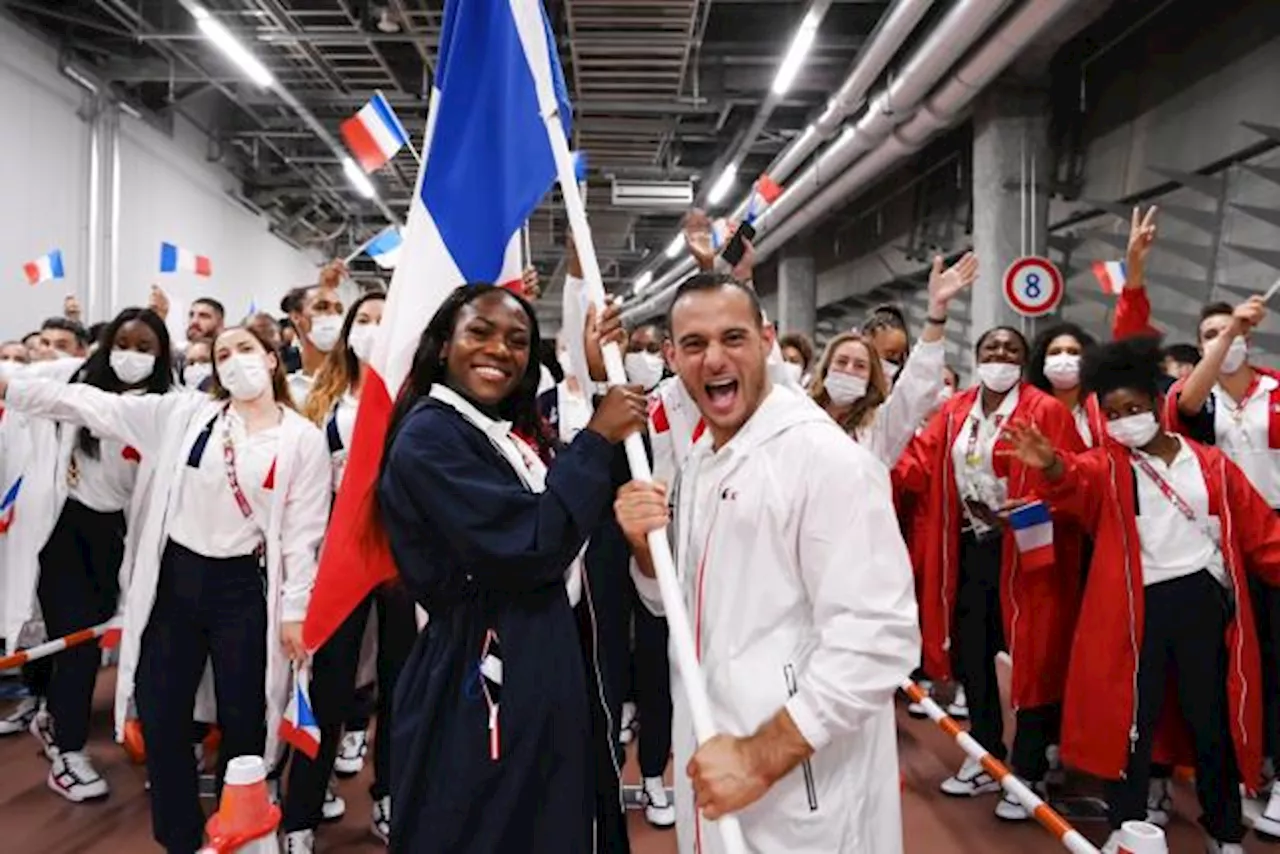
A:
(490, 427)
(784, 407)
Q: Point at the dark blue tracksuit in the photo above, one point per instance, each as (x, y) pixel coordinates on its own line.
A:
(484, 555)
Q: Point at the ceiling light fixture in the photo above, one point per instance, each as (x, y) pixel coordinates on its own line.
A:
(676, 246)
(796, 54)
(358, 179)
(723, 184)
(645, 279)
(230, 45)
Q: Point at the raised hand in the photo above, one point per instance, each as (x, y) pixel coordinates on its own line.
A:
(530, 285)
(1249, 314)
(1028, 445)
(944, 284)
(1142, 233)
(603, 328)
(697, 236)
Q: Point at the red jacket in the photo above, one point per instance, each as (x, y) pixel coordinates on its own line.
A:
(1098, 490)
(1038, 608)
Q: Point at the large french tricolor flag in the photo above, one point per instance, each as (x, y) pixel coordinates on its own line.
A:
(487, 163)
(375, 134)
(45, 268)
(1033, 532)
(174, 259)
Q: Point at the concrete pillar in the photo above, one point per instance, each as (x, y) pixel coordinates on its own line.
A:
(797, 292)
(1010, 148)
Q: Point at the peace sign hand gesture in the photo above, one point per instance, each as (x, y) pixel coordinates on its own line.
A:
(1142, 233)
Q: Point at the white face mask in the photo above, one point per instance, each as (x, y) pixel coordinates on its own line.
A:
(195, 373)
(1237, 353)
(131, 366)
(361, 340)
(10, 369)
(1134, 431)
(844, 389)
(245, 375)
(1063, 370)
(945, 394)
(643, 368)
(890, 369)
(793, 372)
(325, 331)
(999, 376)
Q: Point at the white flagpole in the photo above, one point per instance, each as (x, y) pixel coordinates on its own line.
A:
(672, 601)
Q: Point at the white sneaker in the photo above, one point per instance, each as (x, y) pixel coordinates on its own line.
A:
(334, 807)
(627, 727)
(1213, 846)
(20, 718)
(1011, 809)
(1267, 825)
(42, 728)
(658, 809)
(300, 842)
(74, 777)
(969, 782)
(1159, 802)
(382, 818)
(351, 753)
(959, 706)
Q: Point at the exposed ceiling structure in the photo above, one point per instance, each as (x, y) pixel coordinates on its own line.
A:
(662, 90)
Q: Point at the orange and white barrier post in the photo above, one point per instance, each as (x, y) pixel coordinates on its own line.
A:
(246, 820)
(108, 631)
(1043, 813)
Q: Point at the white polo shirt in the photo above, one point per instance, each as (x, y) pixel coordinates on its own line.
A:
(1242, 432)
(1172, 545)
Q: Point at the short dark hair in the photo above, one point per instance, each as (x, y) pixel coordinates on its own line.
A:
(1187, 354)
(1214, 309)
(982, 339)
(1040, 349)
(886, 316)
(707, 282)
(1132, 363)
(293, 300)
(213, 304)
(66, 325)
(800, 343)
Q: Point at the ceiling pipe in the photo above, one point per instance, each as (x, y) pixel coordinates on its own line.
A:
(883, 44)
(955, 35)
(737, 153)
(944, 108)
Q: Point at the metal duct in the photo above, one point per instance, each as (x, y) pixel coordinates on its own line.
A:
(956, 34)
(942, 109)
(884, 44)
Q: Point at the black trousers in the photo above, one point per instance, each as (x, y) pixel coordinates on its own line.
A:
(979, 633)
(333, 693)
(1183, 639)
(651, 688)
(79, 587)
(1266, 614)
(206, 609)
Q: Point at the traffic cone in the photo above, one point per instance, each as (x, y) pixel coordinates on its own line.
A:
(1138, 837)
(246, 820)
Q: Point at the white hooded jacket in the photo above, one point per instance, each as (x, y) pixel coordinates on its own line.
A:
(164, 428)
(800, 591)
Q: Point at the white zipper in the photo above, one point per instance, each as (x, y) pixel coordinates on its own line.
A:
(1133, 617)
(946, 532)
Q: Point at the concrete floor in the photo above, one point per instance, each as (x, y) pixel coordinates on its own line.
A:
(35, 821)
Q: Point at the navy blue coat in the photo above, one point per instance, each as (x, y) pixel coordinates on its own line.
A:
(480, 552)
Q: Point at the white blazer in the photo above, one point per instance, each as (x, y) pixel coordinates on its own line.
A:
(800, 595)
(163, 428)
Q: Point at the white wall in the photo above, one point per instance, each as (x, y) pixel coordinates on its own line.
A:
(44, 173)
(168, 192)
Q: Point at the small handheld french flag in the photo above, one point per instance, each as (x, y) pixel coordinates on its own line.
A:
(1033, 531)
(174, 259)
(385, 248)
(375, 134)
(1111, 276)
(45, 268)
(7, 504)
(298, 727)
